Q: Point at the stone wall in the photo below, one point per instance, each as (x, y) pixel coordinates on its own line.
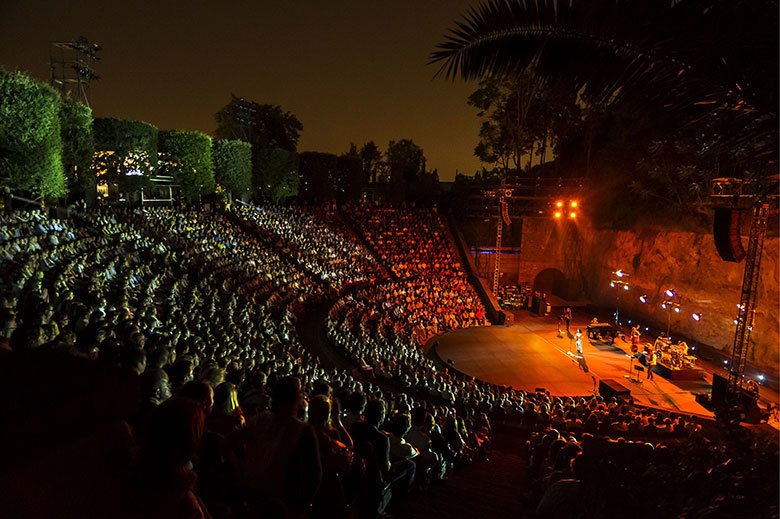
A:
(656, 260)
(689, 263)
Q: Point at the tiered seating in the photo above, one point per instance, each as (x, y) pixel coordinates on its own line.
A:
(205, 306)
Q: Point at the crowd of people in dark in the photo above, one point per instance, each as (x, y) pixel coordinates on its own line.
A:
(236, 417)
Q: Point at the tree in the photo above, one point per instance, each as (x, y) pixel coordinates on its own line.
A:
(406, 163)
(371, 156)
(187, 157)
(30, 141)
(233, 165)
(276, 174)
(78, 148)
(350, 176)
(654, 60)
(125, 154)
(262, 125)
(318, 172)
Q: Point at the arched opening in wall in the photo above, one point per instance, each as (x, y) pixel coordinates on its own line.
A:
(552, 281)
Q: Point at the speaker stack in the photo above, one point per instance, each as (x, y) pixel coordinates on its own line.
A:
(725, 230)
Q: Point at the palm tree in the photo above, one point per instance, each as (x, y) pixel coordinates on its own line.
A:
(706, 65)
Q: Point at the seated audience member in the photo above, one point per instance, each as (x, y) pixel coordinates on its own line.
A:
(165, 483)
(226, 417)
(281, 459)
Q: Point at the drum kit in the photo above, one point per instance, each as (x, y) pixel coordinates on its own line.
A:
(672, 355)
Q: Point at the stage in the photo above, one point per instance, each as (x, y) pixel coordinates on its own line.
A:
(529, 354)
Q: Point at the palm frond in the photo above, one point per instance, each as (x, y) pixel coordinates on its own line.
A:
(686, 59)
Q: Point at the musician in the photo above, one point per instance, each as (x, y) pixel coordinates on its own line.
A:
(578, 342)
(652, 360)
(635, 335)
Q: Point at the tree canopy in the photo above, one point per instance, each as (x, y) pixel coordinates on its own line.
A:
(275, 176)
(187, 157)
(30, 140)
(406, 164)
(656, 59)
(262, 125)
(78, 146)
(318, 171)
(233, 165)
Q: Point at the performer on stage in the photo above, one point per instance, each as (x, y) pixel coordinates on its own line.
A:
(567, 317)
(652, 360)
(578, 342)
(635, 336)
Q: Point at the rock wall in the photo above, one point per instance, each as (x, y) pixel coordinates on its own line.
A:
(689, 263)
(655, 260)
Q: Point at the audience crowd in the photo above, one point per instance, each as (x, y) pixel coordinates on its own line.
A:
(236, 418)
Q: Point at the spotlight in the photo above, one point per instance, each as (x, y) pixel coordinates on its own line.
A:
(612, 284)
(670, 292)
(558, 214)
(725, 362)
(741, 307)
(663, 305)
(625, 287)
(574, 203)
(620, 273)
(629, 321)
(677, 309)
(761, 378)
(736, 322)
(559, 204)
(643, 298)
(696, 317)
(572, 215)
(647, 329)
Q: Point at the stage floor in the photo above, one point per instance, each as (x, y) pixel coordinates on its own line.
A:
(529, 354)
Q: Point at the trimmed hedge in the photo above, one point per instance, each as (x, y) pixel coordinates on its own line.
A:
(233, 165)
(30, 142)
(187, 157)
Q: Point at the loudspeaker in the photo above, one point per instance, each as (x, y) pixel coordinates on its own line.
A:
(720, 387)
(609, 388)
(725, 231)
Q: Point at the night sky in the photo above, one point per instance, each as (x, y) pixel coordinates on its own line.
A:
(349, 70)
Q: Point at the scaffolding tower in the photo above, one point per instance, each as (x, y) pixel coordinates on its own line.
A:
(71, 67)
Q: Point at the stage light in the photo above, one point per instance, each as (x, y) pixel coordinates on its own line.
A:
(612, 284)
(629, 321)
(761, 378)
(677, 309)
(625, 287)
(647, 329)
(643, 298)
(619, 273)
(574, 203)
(725, 362)
(572, 215)
(736, 322)
(559, 204)
(741, 307)
(696, 317)
(558, 215)
(670, 292)
(663, 305)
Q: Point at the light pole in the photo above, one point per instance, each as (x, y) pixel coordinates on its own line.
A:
(671, 304)
(619, 281)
